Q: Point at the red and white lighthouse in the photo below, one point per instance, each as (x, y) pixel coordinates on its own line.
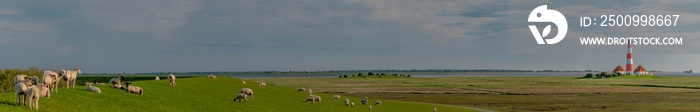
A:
(630, 61)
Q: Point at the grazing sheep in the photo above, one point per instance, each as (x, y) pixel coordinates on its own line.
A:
(364, 101)
(248, 92)
(347, 102)
(336, 97)
(33, 94)
(241, 96)
(301, 89)
(93, 88)
(70, 76)
(20, 91)
(378, 103)
(242, 81)
(133, 89)
(171, 78)
(35, 80)
(157, 78)
(19, 78)
(314, 98)
(51, 79)
(212, 76)
(434, 109)
(370, 107)
(262, 84)
(352, 104)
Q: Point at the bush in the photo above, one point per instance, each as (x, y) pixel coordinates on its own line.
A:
(345, 76)
(408, 75)
(588, 75)
(359, 74)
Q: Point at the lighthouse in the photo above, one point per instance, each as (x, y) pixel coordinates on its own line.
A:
(630, 61)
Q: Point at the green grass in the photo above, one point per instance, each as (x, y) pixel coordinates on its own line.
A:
(202, 94)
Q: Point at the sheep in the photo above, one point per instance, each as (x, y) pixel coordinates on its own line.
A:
(262, 85)
(118, 86)
(35, 80)
(33, 94)
(310, 92)
(212, 76)
(248, 92)
(301, 89)
(157, 78)
(346, 101)
(115, 81)
(336, 97)
(364, 101)
(378, 103)
(434, 109)
(352, 104)
(93, 88)
(19, 78)
(133, 89)
(171, 78)
(242, 81)
(51, 79)
(370, 107)
(70, 76)
(44, 91)
(314, 98)
(20, 91)
(241, 96)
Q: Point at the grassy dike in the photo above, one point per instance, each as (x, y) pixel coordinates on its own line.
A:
(204, 94)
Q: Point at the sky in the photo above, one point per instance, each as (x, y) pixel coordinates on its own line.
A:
(134, 36)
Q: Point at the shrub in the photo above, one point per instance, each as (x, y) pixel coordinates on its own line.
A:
(588, 75)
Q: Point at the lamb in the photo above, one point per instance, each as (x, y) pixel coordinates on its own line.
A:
(35, 80)
(262, 85)
(171, 78)
(51, 79)
(364, 101)
(347, 102)
(118, 86)
(241, 96)
(314, 98)
(242, 81)
(93, 88)
(157, 78)
(70, 76)
(248, 92)
(336, 97)
(212, 76)
(134, 89)
(20, 91)
(19, 78)
(301, 89)
(33, 94)
(378, 103)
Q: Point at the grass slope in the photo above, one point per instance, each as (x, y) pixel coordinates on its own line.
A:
(204, 94)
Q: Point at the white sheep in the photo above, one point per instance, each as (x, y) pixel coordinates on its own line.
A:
(35, 80)
(115, 81)
(44, 91)
(33, 94)
(336, 97)
(118, 86)
(310, 92)
(242, 81)
(314, 98)
(352, 104)
(301, 89)
(51, 79)
(241, 96)
(347, 102)
(364, 101)
(248, 92)
(171, 78)
(212, 76)
(134, 89)
(20, 91)
(378, 103)
(262, 84)
(93, 88)
(157, 78)
(19, 78)
(434, 109)
(370, 107)
(70, 76)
